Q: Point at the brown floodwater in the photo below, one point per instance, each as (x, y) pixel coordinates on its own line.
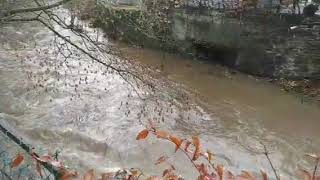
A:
(242, 105)
(275, 109)
(93, 117)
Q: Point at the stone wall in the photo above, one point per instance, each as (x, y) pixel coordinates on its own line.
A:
(260, 45)
(265, 46)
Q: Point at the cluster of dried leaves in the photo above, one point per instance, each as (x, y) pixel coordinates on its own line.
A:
(63, 173)
(190, 147)
(193, 151)
(209, 171)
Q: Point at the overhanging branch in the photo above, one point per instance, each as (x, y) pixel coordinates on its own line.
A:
(122, 72)
(35, 9)
(19, 20)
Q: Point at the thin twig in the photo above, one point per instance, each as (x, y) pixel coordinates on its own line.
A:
(119, 71)
(25, 10)
(315, 169)
(266, 153)
(181, 149)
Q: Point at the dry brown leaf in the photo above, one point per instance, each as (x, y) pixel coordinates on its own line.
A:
(154, 178)
(107, 176)
(196, 154)
(245, 175)
(89, 175)
(176, 141)
(17, 161)
(162, 134)
(201, 177)
(264, 175)
(210, 155)
(68, 175)
(161, 160)
(165, 172)
(172, 177)
(220, 170)
(143, 134)
(135, 172)
(207, 177)
(202, 169)
(196, 141)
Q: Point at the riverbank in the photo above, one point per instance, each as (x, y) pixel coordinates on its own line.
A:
(307, 89)
(287, 58)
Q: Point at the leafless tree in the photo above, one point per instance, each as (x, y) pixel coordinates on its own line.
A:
(43, 12)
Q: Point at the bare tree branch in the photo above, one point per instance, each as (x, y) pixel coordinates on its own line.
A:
(35, 9)
(315, 169)
(19, 20)
(84, 51)
(266, 153)
(45, 17)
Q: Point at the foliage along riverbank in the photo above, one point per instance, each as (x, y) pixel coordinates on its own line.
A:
(285, 45)
(307, 89)
(131, 25)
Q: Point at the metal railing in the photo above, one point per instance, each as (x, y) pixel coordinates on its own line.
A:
(10, 146)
